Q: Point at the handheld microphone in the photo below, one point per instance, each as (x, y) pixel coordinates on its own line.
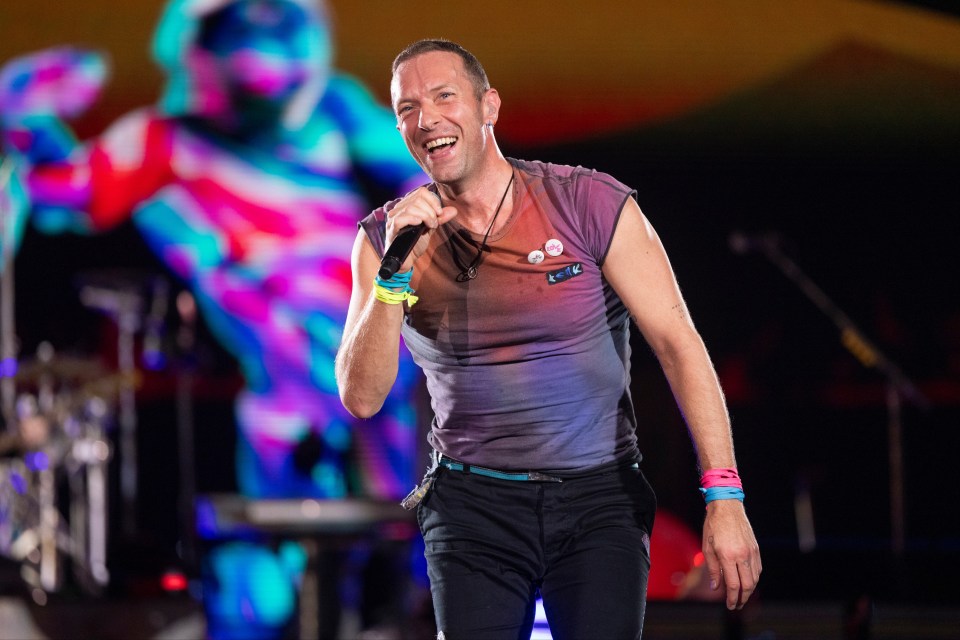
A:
(399, 249)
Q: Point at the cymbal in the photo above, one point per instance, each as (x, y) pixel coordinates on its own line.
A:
(126, 280)
(109, 386)
(60, 368)
(121, 291)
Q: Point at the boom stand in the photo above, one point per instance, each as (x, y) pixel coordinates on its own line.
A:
(124, 304)
(899, 387)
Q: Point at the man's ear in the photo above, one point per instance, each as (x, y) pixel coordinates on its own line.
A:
(491, 107)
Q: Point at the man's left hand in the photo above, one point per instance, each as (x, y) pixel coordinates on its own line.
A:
(731, 551)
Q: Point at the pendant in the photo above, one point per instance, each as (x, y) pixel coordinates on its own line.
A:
(467, 275)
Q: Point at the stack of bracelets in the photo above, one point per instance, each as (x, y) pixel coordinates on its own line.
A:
(396, 289)
(721, 484)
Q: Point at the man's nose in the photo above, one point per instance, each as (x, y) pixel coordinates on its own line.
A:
(429, 117)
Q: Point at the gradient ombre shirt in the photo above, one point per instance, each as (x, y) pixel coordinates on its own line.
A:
(528, 364)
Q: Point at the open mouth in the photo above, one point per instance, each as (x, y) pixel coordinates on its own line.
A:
(440, 144)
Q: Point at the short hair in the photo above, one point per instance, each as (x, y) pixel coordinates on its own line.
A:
(478, 77)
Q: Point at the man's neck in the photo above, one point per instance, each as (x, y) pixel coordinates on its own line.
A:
(477, 202)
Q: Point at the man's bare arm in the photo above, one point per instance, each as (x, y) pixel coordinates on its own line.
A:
(638, 269)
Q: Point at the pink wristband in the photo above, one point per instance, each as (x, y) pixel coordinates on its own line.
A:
(720, 478)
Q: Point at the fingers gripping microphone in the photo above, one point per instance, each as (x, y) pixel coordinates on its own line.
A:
(399, 249)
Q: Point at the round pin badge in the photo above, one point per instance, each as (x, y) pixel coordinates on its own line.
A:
(553, 247)
(535, 257)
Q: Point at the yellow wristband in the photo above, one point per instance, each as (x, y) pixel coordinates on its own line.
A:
(394, 297)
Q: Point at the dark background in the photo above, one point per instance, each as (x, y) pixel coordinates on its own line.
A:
(847, 157)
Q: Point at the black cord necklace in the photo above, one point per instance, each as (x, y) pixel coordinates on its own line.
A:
(470, 271)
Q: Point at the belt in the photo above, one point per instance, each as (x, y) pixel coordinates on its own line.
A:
(523, 476)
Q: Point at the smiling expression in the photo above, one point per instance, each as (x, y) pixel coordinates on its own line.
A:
(440, 116)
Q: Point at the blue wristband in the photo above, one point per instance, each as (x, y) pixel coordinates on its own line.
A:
(722, 493)
(397, 280)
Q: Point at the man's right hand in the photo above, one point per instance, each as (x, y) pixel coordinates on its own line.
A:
(419, 206)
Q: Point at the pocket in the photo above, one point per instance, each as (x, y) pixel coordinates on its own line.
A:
(423, 508)
(420, 517)
(648, 499)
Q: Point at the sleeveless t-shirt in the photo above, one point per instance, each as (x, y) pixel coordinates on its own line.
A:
(528, 364)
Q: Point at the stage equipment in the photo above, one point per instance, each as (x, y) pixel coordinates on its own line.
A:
(53, 480)
(122, 295)
(316, 524)
(899, 386)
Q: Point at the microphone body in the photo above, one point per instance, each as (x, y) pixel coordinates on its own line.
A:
(399, 249)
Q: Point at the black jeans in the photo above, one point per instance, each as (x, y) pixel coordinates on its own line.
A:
(583, 543)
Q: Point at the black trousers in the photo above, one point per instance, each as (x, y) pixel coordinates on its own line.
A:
(491, 545)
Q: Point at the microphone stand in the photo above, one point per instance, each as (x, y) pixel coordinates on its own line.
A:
(186, 341)
(8, 340)
(123, 303)
(899, 386)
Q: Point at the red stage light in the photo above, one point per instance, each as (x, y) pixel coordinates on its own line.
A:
(173, 581)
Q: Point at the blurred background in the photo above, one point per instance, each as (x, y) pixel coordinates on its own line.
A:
(799, 160)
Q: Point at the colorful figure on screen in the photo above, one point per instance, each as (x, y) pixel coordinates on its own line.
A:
(245, 180)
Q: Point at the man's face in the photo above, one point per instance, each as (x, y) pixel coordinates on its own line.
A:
(260, 48)
(439, 115)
